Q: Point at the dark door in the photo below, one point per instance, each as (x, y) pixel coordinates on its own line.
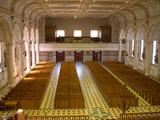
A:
(78, 56)
(50, 33)
(60, 56)
(96, 55)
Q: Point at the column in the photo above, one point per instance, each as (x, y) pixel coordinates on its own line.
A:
(148, 54)
(127, 52)
(21, 62)
(147, 57)
(33, 53)
(28, 56)
(136, 52)
(10, 63)
(158, 76)
(120, 51)
(37, 52)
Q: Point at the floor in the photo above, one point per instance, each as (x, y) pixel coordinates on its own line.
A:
(95, 105)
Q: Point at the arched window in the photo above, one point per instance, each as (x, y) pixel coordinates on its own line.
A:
(132, 48)
(154, 52)
(142, 50)
(1, 56)
(131, 42)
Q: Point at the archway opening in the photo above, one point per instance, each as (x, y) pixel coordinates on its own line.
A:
(155, 40)
(17, 52)
(27, 50)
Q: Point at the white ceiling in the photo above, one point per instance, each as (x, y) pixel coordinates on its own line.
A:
(126, 10)
(83, 8)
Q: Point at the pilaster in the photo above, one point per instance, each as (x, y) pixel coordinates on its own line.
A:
(33, 53)
(28, 56)
(10, 63)
(37, 52)
(120, 51)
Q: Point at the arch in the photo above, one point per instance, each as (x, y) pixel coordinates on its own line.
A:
(26, 34)
(121, 15)
(144, 9)
(29, 4)
(141, 33)
(35, 10)
(130, 33)
(17, 50)
(131, 12)
(122, 34)
(17, 33)
(6, 31)
(116, 19)
(154, 32)
(39, 15)
(154, 39)
(141, 38)
(32, 37)
(7, 49)
(13, 5)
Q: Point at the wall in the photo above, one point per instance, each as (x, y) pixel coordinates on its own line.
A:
(87, 56)
(85, 24)
(114, 23)
(42, 30)
(71, 24)
(110, 56)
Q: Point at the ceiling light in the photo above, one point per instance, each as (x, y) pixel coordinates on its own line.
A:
(127, 1)
(46, 0)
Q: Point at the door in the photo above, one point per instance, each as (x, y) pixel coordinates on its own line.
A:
(97, 56)
(78, 56)
(60, 56)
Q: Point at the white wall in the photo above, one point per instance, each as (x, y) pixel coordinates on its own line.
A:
(109, 56)
(69, 55)
(87, 56)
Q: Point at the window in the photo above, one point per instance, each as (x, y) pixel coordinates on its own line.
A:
(77, 33)
(142, 50)
(132, 48)
(94, 33)
(0, 56)
(60, 33)
(154, 53)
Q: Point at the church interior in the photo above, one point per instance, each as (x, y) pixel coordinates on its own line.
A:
(79, 59)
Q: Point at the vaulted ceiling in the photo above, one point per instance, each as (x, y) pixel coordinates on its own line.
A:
(126, 10)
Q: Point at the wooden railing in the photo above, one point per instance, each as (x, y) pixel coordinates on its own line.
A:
(140, 116)
(81, 117)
